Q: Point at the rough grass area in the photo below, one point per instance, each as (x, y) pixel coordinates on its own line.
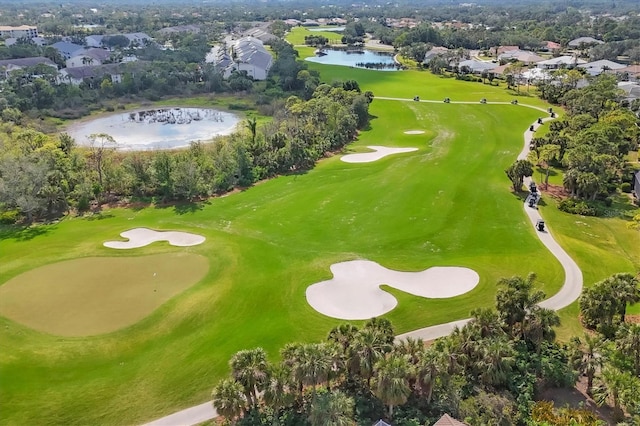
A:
(94, 295)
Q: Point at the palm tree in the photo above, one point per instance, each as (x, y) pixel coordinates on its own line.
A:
(537, 326)
(278, 390)
(611, 386)
(291, 354)
(514, 301)
(315, 363)
(587, 361)
(628, 344)
(431, 366)
(384, 326)
(228, 399)
(251, 124)
(331, 409)
(391, 381)
(496, 363)
(343, 335)
(250, 368)
(487, 322)
(627, 291)
(369, 347)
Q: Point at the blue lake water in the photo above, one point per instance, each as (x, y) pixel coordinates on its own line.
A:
(157, 128)
(351, 59)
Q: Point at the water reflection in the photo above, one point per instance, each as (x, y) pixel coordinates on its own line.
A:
(157, 128)
(359, 58)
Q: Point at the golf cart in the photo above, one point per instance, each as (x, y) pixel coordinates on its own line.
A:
(416, 98)
(540, 225)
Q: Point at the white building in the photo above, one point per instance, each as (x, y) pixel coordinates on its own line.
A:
(23, 31)
(246, 54)
(88, 57)
(560, 62)
(598, 67)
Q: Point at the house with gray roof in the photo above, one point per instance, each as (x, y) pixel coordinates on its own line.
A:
(91, 74)
(246, 54)
(598, 67)
(86, 57)
(94, 40)
(523, 56)
(584, 41)
(566, 61)
(630, 90)
(476, 66)
(8, 65)
(66, 49)
(434, 53)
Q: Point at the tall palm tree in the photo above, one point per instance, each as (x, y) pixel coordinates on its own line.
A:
(331, 409)
(627, 291)
(537, 326)
(278, 390)
(487, 321)
(432, 365)
(315, 363)
(515, 299)
(391, 381)
(250, 368)
(610, 389)
(384, 326)
(343, 335)
(628, 344)
(228, 399)
(369, 346)
(496, 363)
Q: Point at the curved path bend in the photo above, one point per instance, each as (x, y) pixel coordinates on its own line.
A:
(568, 294)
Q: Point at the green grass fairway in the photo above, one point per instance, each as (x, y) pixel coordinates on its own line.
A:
(296, 35)
(96, 295)
(447, 204)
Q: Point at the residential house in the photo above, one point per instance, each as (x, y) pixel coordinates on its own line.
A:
(499, 50)
(138, 39)
(631, 90)
(584, 41)
(66, 49)
(38, 41)
(552, 46)
(246, 54)
(91, 74)
(598, 67)
(259, 33)
(89, 57)
(381, 423)
(631, 73)
(476, 66)
(23, 31)
(8, 65)
(94, 40)
(447, 420)
(524, 56)
(434, 52)
(565, 61)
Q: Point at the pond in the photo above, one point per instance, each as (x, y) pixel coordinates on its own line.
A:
(157, 128)
(382, 61)
(328, 29)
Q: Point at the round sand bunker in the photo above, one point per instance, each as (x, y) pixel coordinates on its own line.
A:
(354, 291)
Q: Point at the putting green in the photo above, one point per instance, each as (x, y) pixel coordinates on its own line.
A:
(96, 295)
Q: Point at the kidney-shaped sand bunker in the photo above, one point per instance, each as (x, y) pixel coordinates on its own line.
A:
(96, 295)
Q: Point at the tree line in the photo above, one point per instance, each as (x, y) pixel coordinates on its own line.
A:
(490, 371)
(590, 145)
(44, 176)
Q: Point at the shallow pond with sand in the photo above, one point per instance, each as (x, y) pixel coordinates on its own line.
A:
(157, 128)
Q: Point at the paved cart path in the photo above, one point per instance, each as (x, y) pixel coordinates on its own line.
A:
(569, 292)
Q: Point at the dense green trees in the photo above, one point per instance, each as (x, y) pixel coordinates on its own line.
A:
(491, 368)
(41, 176)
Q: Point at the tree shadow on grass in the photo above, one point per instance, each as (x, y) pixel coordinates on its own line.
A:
(184, 207)
(99, 216)
(24, 232)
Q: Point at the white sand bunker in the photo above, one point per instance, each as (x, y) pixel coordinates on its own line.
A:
(414, 132)
(354, 291)
(140, 237)
(380, 152)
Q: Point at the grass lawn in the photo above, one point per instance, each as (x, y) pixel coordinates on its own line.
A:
(297, 34)
(447, 204)
(96, 295)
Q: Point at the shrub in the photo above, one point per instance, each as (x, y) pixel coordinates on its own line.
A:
(573, 206)
(625, 187)
(9, 217)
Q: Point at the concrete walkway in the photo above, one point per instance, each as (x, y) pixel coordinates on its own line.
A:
(569, 292)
